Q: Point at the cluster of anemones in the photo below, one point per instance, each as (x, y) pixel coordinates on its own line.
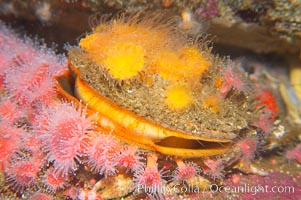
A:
(44, 140)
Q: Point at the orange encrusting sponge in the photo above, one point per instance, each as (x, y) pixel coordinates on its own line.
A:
(187, 64)
(126, 49)
(212, 103)
(124, 60)
(138, 47)
(178, 97)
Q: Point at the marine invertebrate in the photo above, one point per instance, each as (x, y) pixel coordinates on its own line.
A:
(212, 103)
(21, 156)
(214, 168)
(87, 194)
(53, 181)
(248, 147)
(22, 173)
(126, 44)
(132, 101)
(64, 135)
(29, 80)
(27, 68)
(178, 97)
(145, 44)
(124, 60)
(41, 196)
(44, 92)
(10, 140)
(268, 101)
(185, 171)
(190, 24)
(231, 79)
(141, 132)
(268, 110)
(71, 192)
(32, 142)
(129, 158)
(294, 154)
(149, 179)
(189, 63)
(265, 122)
(44, 12)
(9, 109)
(102, 153)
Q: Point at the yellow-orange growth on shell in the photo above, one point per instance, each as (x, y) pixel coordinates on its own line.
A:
(126, 49)
(124, 60)
(178, 97)
(212, 103)
(187, 64)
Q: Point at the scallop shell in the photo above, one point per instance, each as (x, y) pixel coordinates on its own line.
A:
(155, 89)
(133, 129)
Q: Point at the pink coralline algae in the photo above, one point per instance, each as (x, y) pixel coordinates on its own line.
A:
(275, 186)
(248, 148)
(41, 196)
